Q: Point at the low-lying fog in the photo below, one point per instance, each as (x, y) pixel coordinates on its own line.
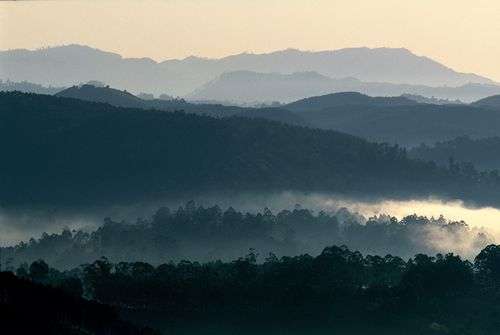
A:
(17, 225)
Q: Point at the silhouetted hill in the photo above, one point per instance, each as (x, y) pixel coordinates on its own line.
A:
(489, 102)
(102, 94)
(345, 100)
(125, 99)
(30, 308)
(72, 151)
(66, 65)
(484, 153)
(396, 120)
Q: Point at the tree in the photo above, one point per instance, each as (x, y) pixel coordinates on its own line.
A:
(39, 270)
(487, 264)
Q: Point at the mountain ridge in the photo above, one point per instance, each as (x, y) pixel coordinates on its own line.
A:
(249, 86)
(89, 149)
(120, 98)
(66, 65)
(346, 99)
(396, 119)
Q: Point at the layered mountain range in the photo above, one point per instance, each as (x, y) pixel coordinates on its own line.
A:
(379, 71)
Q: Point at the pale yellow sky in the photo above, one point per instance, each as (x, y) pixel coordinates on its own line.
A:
(463, 34)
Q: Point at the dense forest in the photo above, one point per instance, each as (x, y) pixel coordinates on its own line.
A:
(70, 152)
(484, 153)
(339, 290)
(204, 234)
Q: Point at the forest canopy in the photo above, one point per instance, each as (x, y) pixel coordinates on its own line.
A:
(333, 291)
(71, 152)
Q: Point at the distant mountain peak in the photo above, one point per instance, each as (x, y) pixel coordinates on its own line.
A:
(194, 58)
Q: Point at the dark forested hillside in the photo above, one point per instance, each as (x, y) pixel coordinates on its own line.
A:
(31, 308)
(72, 151)
(396, 120)
(489, 102)
(484, 153)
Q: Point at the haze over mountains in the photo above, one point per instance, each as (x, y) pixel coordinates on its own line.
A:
(268, 190)
(120, 98)
(67, 65)
(91, 148)
(252, 87)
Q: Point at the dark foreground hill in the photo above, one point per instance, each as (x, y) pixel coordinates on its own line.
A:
(31, 308)
(58, 150)
(339, 291)
(396, 120)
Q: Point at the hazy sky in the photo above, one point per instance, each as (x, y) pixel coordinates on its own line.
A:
(462, 34)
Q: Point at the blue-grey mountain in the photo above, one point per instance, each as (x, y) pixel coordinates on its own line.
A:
(68, 65)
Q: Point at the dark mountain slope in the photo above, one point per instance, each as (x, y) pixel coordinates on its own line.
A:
(58, 150)
(489, 102)
(30, 308)
(484, 153)
(396, 120)
(274, 114)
